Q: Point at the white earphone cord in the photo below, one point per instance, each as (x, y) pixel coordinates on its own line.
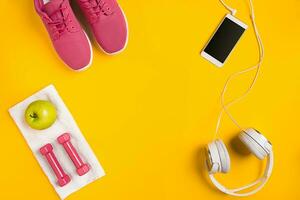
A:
(232, 76)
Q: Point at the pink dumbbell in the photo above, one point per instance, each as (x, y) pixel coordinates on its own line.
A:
(62, 177)
(82, 168)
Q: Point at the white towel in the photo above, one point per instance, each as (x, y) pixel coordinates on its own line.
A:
(64, 123)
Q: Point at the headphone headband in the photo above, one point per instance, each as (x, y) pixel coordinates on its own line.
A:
(260, 182)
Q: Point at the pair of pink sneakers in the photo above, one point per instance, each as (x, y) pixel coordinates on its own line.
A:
(105, 18)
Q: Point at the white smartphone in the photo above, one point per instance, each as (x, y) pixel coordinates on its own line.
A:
(224, 40)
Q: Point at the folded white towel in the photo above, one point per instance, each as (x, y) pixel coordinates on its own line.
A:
(64, 123)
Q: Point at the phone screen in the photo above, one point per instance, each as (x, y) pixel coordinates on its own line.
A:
(224, 40)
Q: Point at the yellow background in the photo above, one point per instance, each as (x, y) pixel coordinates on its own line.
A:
(148, 111)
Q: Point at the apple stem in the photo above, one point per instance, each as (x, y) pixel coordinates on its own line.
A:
(34, 115)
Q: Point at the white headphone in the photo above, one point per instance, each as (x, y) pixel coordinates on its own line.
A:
(218, 160)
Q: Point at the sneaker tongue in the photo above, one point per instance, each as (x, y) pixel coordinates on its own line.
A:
(52, 7)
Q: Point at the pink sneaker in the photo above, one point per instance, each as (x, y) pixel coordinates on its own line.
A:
(107, 22)
(69, 40)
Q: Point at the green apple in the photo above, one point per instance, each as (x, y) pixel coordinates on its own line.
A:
(40, 114)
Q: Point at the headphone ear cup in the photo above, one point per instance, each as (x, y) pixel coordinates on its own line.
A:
(253, 145)
(213, 158)
(224, 156)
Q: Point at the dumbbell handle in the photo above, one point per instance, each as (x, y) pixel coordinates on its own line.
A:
(52, 160)
(73, 154)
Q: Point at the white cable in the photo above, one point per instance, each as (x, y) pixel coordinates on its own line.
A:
(232, 10)
(232, 76)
